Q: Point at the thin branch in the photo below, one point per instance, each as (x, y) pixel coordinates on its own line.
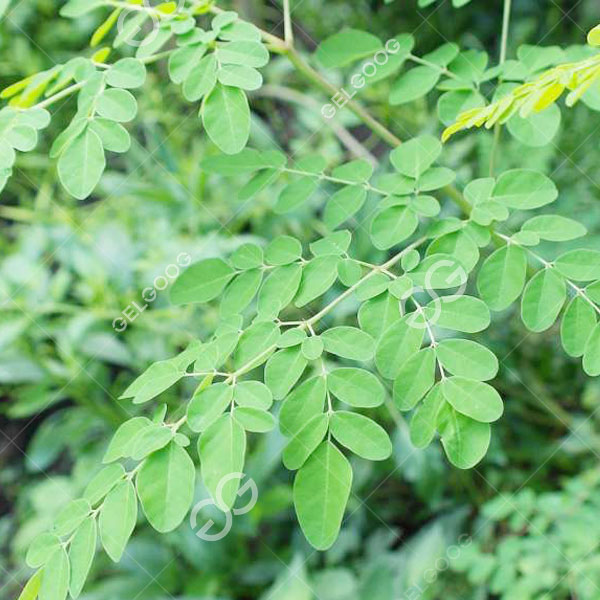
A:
(287, 24)
(288, 95)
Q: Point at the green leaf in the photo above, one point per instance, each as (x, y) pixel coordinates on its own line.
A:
(554, 228)
(424, 420)
(248, 53)
(467, 359)
(78, 8)
(292, 337)
(253, 394)
(453, 103)
(184, 60)
(117, 519)
(591, 357)
(321, 491)
(283, 370)
(356, 387)
(392, 226)
(361, 435)
(474, 399)
(81, 164)
(202, 281)
(335, 244)
(581, 265)
(346, 202)
(165, 485)
(157, 378)
(414, 157)
(226, 118)
(318, 275)
(347, 46)
(502, 277)
(306, 401)
(126, 73)
(114, 136)
(283, 250)
(295, 194)
(201, 80)
(222, 448)
(459, 313)
(247, 256)
(41, 549)
(103, 482)
(254, 419)
(543, 299)
(55, 581)
(357, 171)
(349, 271)
(279, 289)
(465, 441)
(312, 348)
(256, 344)
(241, 291)
(349, 342)
(304, 441)
(415, 378)
(379, 313)
(207, 405)
(71, 516)
(439, 272)
(119, 446)
(577, 325)
(81, 554)
(116, 105)
(524, 189)
(537, 129)
(397, 344)
(240, 76)
(413, 84)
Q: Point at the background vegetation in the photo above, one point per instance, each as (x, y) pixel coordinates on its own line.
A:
(522, 524)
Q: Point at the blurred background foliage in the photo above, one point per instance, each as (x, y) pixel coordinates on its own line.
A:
(521, 525)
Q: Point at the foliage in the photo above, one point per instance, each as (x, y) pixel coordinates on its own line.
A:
(360, 296)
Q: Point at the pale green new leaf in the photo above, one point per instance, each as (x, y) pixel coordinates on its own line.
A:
(254, 419)
(581, 265)
(423, 424)
(318, 276)
(554, 228)
(103, 482)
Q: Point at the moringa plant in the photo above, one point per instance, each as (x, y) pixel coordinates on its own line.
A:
(312, 338)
